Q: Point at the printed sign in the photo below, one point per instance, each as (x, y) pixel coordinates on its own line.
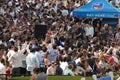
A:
(98, 6)
(105, 78)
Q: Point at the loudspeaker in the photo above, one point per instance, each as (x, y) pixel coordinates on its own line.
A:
(40, 31)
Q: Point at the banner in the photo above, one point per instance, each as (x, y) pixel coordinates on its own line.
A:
(105, 78)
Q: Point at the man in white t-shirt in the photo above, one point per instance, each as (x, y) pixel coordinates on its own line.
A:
(64, 12)
(89, 30)
(31, 60)
(16, 60)
(10, 52)
(2, 67)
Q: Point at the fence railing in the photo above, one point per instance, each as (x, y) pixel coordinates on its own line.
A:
(3, 77)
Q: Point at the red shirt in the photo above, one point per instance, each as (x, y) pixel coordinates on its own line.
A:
(111, 60)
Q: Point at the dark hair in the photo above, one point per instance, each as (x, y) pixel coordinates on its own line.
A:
(70, 66)
(38, 48)
(31, 49)
(44, 48)
(54, 46)
(110, 52)
(118, 53)
(36, 70)
(10, 46)
(41, 69)
(118, 29)
(15, 48)
(2, 61)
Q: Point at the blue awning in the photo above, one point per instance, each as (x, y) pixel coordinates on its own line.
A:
(97, 9)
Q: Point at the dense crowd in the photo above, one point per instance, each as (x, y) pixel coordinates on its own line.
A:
(72, 46)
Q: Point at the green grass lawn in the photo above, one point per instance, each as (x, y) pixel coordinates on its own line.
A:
(55, 78)
(116, 75)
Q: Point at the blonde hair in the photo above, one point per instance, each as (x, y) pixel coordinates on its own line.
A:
(101, 56)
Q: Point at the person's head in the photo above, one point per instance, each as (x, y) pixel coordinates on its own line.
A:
(10, 46)
(87, 25)
(54, 46)
(118, 53)
(53, 64)
(44, 48)
(31, 48)
(15, 48)
(106, 26)
(86, 63)
(70, 66)
(38, 48)
(41, 69)
(2, 61)
(36, 70)
(110, 52)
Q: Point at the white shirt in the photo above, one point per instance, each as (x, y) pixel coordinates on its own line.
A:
(78, 60)
(9, 54)
(64, 12)
(2, 11)
(38, 6)
(46, 4)
(32, 62)
(16, 59)
(49, 47)
(55, 9)
(50, 70)
(114, 51)
(117, 36)
(89, 31)
(117, 2)
(10, 3)
(63, 65)
(77, 4)
(40, 56)
(115, 59)
(12, 14)
(2, 69)
(1, 42)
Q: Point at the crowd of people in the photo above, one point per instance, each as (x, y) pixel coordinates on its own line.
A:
(72, 46)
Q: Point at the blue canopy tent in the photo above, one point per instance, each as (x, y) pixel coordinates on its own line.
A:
(97, 9)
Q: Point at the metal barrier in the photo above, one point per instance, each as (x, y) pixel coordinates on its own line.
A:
(3, 77)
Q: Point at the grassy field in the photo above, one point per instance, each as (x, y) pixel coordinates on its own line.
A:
(55, 78)
(116, 75)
